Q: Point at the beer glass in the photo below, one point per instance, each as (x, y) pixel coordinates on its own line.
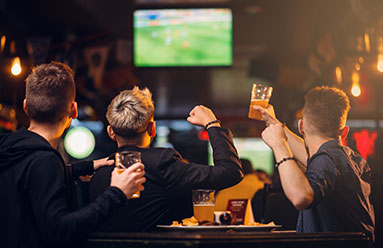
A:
(260, 95)
(203, 204)
(125, 159)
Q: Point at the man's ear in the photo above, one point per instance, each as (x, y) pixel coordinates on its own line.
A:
(74, 110)
(300, 127)
(25, 107)
(111, 133)
(345, 131)
(152, 129)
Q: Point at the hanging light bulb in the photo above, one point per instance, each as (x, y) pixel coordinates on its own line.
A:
(355, 89)
(12, 47)
(379, 45)
(338, 74)
(380, 63)
(367, 42)
(2, 43)
(355, 77)
(16, 66)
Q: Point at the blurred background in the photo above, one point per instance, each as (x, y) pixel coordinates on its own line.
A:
(291, 45)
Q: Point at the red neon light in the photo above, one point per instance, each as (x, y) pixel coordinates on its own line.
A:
(203, 135)
(365, 142)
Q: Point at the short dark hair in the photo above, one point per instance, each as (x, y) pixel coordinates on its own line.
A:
(50, 89)
(326, 109)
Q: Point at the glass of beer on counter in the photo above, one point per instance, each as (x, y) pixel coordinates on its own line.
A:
(260, 95)
(203, 204)
(125, 159)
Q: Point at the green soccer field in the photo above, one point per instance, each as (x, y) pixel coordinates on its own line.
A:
(254, 150)
(193, 44)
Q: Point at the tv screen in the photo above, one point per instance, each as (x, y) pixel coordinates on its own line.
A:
(253, 149)
(182, 37)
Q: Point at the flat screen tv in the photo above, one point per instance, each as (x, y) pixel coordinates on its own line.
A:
(182, 37)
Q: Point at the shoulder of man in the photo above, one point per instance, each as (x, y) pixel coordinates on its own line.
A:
(162, 155)
(19, 149)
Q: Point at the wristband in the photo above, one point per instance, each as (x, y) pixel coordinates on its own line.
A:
(212, 122)
(284, 160)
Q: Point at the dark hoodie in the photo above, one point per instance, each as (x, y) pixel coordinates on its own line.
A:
(35, 196)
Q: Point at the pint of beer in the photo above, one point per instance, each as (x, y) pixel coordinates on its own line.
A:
(204, 212)
(260, 95)
(203, 204)
(125, 159)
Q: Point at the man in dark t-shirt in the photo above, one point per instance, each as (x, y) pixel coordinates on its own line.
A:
(329, 183)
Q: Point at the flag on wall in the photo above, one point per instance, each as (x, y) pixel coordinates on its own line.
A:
(96, 58)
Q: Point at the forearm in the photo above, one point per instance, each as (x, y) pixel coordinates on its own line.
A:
(63, 226)
(297, 146)
(225, 156)
(47, 195)
(293, 180)
(179, 176)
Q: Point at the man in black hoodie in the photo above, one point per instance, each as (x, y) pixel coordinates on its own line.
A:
(35, 209)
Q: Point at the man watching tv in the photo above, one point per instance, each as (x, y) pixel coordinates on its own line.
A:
(170, 179)
(332, 188)
(36, 208)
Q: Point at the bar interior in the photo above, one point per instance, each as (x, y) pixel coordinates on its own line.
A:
(216, 173)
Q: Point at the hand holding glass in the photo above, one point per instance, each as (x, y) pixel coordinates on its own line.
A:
(125, 159)
(260, 95)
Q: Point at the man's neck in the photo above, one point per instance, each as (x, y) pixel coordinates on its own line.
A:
(314, 142)
(51, 132)
(143, 142)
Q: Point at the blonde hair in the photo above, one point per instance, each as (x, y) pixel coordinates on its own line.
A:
(130, 112)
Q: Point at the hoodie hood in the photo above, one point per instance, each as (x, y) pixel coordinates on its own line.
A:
(17, 145)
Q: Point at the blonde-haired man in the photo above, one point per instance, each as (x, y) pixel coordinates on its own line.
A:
(332, 189)
(130, 115)
(170, 179)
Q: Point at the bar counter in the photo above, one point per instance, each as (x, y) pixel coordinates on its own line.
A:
(228, 239)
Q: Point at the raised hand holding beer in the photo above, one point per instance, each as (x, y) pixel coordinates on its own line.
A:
(268, 114)
(260, 96)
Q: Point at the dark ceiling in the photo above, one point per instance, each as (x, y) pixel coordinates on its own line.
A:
(286, 30)
(267, 34)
